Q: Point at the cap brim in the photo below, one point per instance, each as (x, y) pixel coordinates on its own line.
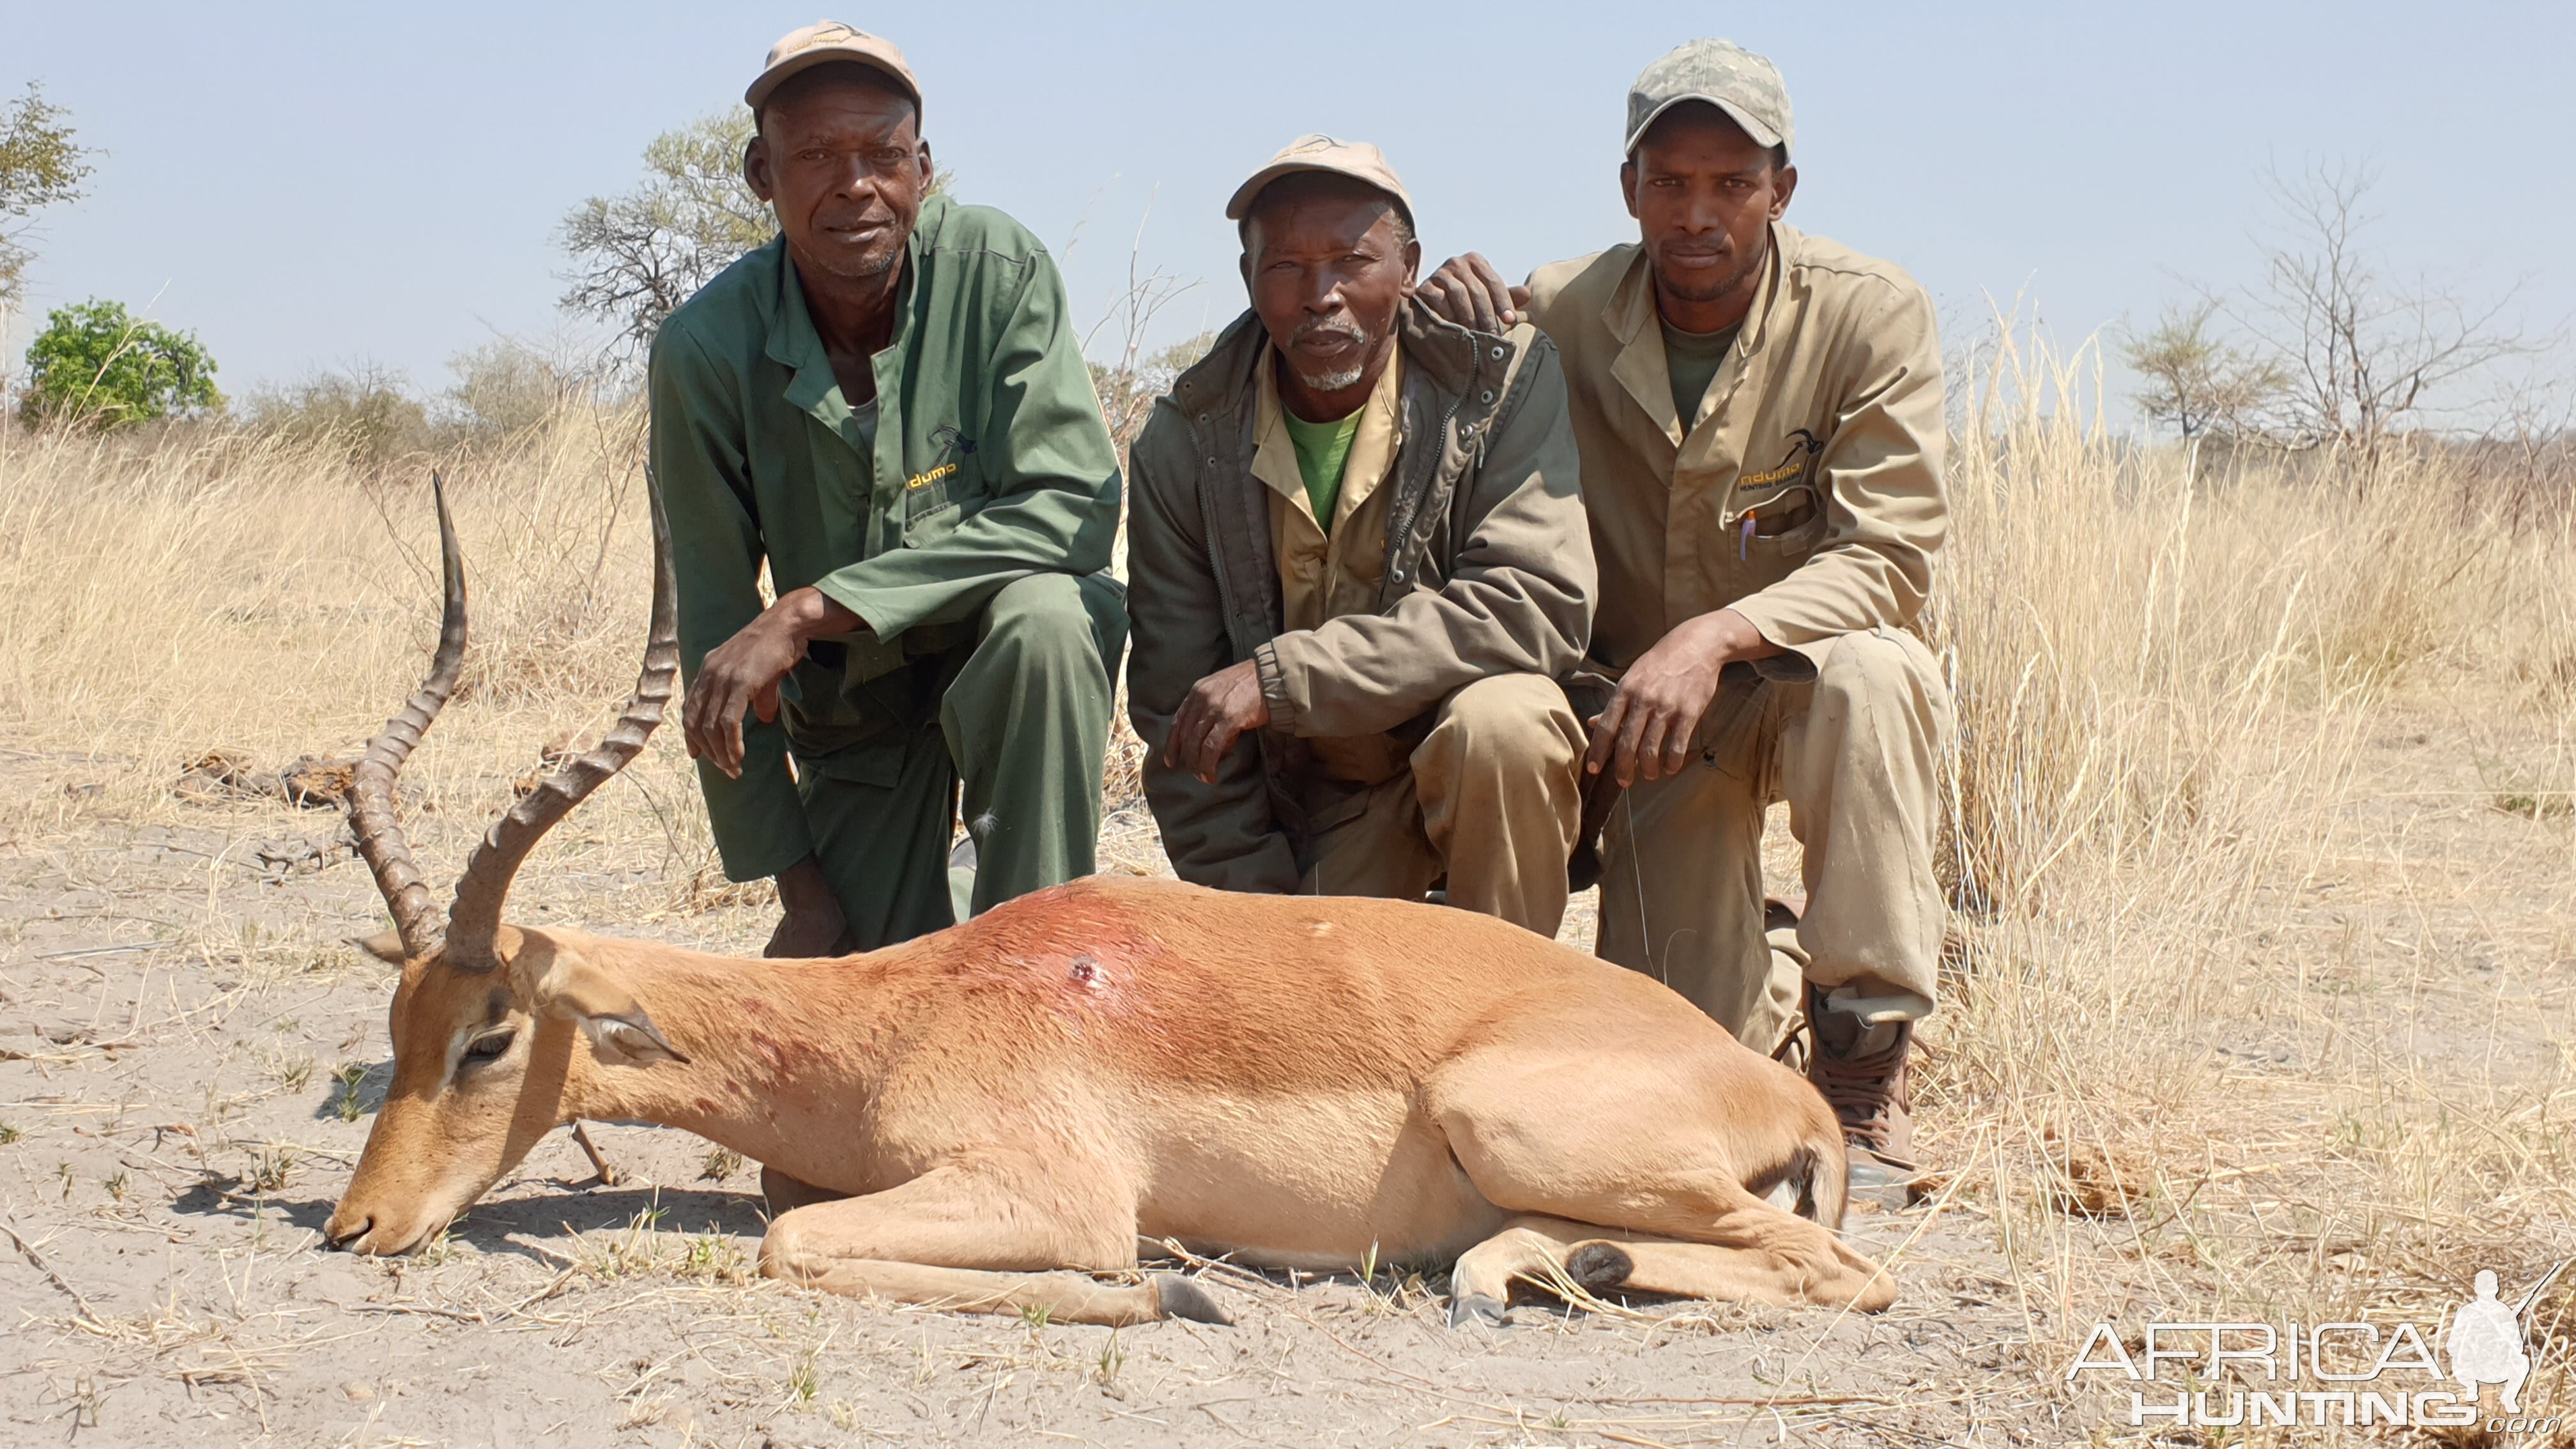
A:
(777, 75)
(1762, 135)
(1239, 205)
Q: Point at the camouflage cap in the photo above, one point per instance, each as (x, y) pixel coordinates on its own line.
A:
(1726, 75)
(1356, 159)
(822, 43)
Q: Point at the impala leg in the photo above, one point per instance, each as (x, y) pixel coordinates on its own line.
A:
(608, 1175)
(966, 1239)
(1640, 1154)
(786, 1194)
(1632, 1263)
(1480, 1285)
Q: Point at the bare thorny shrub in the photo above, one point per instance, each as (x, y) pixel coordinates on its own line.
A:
(2166, 695)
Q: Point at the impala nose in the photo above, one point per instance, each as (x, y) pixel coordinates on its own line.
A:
(342, 1235)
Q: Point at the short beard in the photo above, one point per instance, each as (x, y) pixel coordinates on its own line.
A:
(1732, 283)
(868, 268)
(1335, 381)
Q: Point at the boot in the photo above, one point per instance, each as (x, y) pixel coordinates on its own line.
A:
(1860, 1068)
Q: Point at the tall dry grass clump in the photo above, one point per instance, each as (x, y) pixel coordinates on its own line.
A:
(2215, 1039)
(265, 595)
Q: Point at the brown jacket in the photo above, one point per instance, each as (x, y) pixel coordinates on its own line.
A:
(1487, 571)
(1824, 428)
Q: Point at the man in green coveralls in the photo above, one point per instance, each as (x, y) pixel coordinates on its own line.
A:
(888, 407)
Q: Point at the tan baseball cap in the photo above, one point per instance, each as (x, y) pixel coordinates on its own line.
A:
(1356, 159)
(822, 43)
(1726, 75)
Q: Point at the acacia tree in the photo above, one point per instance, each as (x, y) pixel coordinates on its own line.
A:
(40, 166)
(639, 255)
(2197, 384)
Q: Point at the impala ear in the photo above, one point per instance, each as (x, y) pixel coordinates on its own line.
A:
(385, 946)
(597, 998)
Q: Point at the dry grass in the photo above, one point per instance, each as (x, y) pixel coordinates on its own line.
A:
(2229, 1036)
(2243, 1024)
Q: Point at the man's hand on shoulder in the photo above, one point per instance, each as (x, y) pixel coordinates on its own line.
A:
(742, 673)
(1468, 291)
(1647, 727)
(1216, 713)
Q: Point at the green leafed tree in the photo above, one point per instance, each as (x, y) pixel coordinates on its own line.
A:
(99, 366)
(2198, 385)
(40, 166)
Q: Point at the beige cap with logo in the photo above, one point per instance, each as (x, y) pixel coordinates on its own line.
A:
(822, 43)
(1356, 159)
(1726, 75)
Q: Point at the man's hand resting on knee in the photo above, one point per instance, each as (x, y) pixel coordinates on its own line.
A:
(743, 673)
(1216, 713)
(1647, 727)
(810, 922)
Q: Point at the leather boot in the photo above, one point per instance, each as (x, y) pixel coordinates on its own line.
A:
(1860, 1067)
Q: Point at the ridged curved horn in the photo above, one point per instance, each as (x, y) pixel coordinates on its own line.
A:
(480, 893)
(372, 819)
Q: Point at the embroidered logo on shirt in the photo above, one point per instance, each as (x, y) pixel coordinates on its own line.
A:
(952, 444)
(1803, 445)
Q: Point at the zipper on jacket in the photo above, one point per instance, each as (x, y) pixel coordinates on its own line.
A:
(1208, 526)
(1398, 536)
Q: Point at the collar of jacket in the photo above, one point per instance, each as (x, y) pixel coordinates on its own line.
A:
(1629, 316)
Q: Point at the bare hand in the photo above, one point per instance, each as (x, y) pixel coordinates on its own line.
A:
(1647, 727)
(1219, 709)
(811, 923)
(1468, 291)
(743, 672)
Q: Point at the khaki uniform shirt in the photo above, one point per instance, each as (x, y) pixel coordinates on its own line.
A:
(1323, 577)
(1804, 492)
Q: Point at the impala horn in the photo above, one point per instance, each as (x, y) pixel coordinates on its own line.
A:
(372, 819)
(475, 918)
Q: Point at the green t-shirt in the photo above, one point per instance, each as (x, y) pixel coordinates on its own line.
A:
(1693, 359)
(1322, 449)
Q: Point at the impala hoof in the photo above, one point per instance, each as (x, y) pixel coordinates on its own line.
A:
(1599, 1267)
(1475, 1310)
(1178, 1297)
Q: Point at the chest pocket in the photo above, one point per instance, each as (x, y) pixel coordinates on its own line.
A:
(1780, 509)
(933, 498)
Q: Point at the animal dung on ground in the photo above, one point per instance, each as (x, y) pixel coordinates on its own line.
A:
(311, 781)
(2085, 1180)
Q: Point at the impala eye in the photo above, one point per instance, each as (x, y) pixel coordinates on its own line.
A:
(487, 1046)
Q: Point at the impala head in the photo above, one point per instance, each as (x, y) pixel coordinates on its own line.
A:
(490, 1022)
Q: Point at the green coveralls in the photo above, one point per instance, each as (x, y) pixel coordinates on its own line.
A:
(972, 534)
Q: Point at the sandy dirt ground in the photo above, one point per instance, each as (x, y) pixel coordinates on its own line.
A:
(189, 1059)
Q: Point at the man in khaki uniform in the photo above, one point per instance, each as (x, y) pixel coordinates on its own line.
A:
(1760, 419)
(1357, 564)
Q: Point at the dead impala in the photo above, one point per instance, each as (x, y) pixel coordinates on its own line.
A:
(981, 1118)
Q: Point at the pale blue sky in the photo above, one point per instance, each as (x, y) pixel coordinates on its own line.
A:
(315, 185)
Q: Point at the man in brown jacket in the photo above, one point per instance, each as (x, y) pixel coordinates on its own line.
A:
(1357, 564)
(1760, 419)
